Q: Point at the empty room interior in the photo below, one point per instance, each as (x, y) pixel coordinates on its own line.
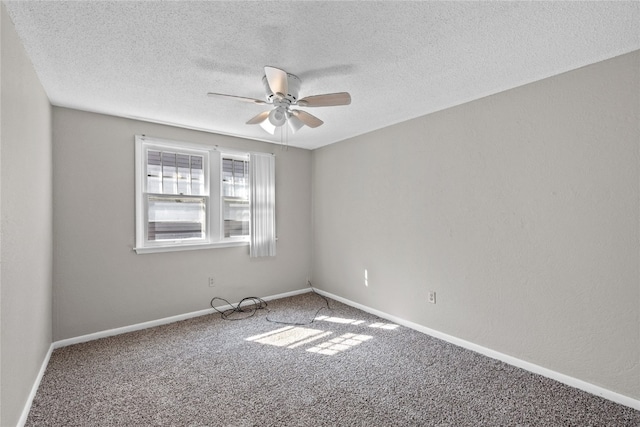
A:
(464, 173)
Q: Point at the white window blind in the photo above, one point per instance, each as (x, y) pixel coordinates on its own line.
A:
(171, 178)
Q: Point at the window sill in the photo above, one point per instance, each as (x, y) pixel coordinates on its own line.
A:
(156, 249)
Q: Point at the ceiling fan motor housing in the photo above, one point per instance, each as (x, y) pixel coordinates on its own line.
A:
(293, 83)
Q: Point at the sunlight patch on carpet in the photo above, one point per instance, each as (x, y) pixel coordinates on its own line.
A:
(339, 344)
(340, 320)
(390, 326)
(289, 336)
(344, 321)
(295, 336)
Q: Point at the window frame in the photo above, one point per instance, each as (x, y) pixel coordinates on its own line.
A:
(212, 171)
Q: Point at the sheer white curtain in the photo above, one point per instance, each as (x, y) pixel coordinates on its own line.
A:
(262, 179)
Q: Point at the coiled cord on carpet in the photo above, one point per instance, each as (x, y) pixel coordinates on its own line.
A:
(260, 304)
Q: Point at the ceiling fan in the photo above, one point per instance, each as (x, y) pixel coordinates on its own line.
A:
(282, 93)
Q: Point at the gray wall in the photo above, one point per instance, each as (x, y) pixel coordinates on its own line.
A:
(100, 283)
(26, 229)
(520, 210)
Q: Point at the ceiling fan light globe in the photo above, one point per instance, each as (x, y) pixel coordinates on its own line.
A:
(294, 124)
(277, 116)
(268, 127)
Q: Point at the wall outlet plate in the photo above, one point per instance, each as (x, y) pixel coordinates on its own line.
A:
(212, 282)
(431, 297)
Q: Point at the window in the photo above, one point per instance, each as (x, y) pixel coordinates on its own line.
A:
(190, 196)
(235, 196)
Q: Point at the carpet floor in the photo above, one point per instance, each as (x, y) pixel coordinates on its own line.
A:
(347, 368)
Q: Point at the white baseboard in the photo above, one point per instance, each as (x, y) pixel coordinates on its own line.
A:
(158, 322)
(27, 407)
(528, 366)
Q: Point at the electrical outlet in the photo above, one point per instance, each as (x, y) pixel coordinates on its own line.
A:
(432, 297)
(212, 282)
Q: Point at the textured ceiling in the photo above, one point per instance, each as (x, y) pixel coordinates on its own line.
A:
(157, 60)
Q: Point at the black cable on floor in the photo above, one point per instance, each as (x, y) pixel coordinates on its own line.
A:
(260, 304)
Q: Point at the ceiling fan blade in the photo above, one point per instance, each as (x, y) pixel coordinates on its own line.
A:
(259, 118)
(307, 119)
(237, 98)
(277, 79)
(327, 100)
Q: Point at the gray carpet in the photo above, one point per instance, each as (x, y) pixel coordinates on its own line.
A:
(351, 369)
